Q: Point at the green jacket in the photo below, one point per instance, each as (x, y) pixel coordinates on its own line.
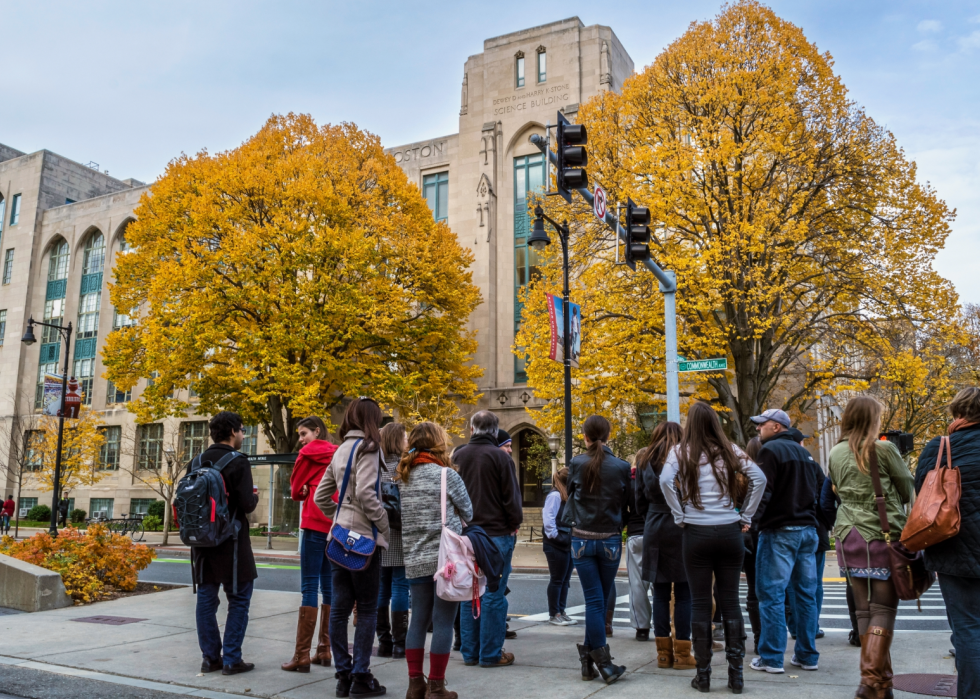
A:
(857, 494)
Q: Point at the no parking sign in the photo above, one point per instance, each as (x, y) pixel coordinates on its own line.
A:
(599, 203)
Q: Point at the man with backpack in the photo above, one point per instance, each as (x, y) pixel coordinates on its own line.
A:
(222, 565)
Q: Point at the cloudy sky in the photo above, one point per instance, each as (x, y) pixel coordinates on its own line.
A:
(132, 84)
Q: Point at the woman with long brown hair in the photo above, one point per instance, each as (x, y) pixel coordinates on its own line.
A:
(663, 563)
(394, 588)
(557, 546)
(598, 504)
(700, 482)
(861, 547)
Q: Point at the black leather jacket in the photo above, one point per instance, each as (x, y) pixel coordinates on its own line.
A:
(606, 511)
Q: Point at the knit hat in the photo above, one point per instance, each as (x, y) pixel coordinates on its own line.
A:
(503, 438)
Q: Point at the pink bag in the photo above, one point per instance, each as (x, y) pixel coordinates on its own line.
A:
(458, 578)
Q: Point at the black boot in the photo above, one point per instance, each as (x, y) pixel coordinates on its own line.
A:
(603, 661)
(701, 642)
(399, 629)
(735, 653)
(588, 671)
(753, 609)
(366, 685)
(384, 632)
(343, 683)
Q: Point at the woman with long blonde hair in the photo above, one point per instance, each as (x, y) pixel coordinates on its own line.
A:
(861, 547)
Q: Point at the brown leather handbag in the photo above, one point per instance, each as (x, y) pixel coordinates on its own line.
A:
(909, 574)
(935, 515)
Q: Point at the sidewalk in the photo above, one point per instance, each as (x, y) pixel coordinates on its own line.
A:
(161, 649)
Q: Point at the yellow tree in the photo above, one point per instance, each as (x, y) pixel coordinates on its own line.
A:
(285, 276)
(795, 224)
(79, 451)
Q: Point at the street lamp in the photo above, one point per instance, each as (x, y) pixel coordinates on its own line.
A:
(29, 339)
(554, 441)
(539, 240)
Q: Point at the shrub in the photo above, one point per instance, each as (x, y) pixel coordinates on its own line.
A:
(39, 513)
(77, 516)
(152, 523)
(90, 563)
(156, 509)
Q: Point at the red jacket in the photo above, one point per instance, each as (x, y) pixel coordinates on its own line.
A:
(8, 508)
(312, 461)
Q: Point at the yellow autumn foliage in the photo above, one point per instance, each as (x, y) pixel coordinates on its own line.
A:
(80, 448)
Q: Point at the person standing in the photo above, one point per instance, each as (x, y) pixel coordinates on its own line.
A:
(598, 497)
(557, 546)
(63, 509)
(663, 563)
(785, 558)
(213, 567)
(701, 482)
(751, 539)
(6, 513)
(421, 471)
(861, 547)
(491, 481)
(393, 594)
(641, 612)
(362, 513)
(314, 457)
(957, 559)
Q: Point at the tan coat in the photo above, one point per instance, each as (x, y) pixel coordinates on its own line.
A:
(362, 505)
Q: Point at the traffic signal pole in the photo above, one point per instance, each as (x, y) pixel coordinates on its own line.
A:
(668, 287)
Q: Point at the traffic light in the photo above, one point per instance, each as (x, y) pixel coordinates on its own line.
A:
(637, 233)
(572, 157)
(903, 440)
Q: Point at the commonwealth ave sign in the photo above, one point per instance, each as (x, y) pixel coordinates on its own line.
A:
(718, 364)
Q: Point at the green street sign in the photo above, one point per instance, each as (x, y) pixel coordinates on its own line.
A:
(718, 364)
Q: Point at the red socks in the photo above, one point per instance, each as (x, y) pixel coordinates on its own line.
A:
(416, 661)
(437, 665)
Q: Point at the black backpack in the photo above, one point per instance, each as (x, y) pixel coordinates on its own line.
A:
(202, 512)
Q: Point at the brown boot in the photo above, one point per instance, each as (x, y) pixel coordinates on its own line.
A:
(416, 688)
(683, 660)
(304, 638)
(437, 690)
(322, 656)
(876, 679)
(665, 652)
(609, 620)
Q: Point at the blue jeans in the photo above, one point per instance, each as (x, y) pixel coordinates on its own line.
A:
(4, 522)
(791, 598)
(560, 571)
(350, 587)
(962, 597)
(785, 562)
(596, 562)
(482, 639)
(394, 589)
(314, 568)
(213, 647)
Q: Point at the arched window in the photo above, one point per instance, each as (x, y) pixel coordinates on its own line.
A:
(89, 303)
(54, 313)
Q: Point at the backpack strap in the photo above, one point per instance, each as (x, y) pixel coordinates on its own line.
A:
(224, 460)
(343, 485)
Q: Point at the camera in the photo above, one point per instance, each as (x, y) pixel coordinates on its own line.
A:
(903, 440)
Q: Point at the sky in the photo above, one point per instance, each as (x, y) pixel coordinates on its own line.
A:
(131, 85)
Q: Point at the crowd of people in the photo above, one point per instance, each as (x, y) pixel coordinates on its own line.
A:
(697, 512)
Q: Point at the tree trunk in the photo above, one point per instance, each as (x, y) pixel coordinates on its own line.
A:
(166, 520)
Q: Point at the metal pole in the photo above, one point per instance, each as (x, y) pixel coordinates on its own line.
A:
(670, 347)
(61, 436)
(272, 487)
(567, 351)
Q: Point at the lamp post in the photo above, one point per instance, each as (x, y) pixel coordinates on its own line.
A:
(554, 441)
(538, 240)
(29, 339)
(171, 456)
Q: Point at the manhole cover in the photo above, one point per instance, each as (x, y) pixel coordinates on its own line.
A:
(110, 620)
(930, 685)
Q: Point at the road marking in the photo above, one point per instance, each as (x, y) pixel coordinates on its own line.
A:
(257, 565)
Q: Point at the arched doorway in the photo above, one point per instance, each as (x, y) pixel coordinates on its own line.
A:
(533, 466)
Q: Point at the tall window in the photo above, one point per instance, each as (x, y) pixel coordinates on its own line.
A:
(542, 65)
(435, 189)
(193, 438)
(520, 70)
(114, 395)
(140, 506)
(33, 456)
(88, 314)
(15, 210)
(3, 326)
(54, 313)
(109, 453)
(8, 265)
(149, 445)
(250, 444)
(528, 179)
(100, 507)
(3, 212)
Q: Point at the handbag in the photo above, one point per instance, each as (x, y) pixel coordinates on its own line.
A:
(458, 579)
(935, 515)
(391, 499)
(347, 548)
(909, 574)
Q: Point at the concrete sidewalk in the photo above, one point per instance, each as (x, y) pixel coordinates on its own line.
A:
(161, 652)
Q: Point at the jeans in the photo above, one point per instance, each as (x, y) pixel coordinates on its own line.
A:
(314, 568)
(596, 561)
(394, 589)
(713, 552)
(428, 608)
(5, 522)
(483, 638)
(213, 647)
(791, 603)
(350, 587)
(785, 562)
(682, 610)
(962, 596)
(560, 570)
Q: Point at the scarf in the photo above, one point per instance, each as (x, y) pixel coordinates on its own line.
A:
(425, 457)
(959, 424)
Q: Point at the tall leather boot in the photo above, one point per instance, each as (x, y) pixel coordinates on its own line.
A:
(876, 677)
(753, 609)
(384, 632)
(603, 662)
(322, 656)
(304, 638)
(399, 629)
(610, 613)
(665, 652)
(588, 670)
(701, 642)
(735, 653)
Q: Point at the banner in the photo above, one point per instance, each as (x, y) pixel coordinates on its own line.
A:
(51, 400)
(556, 317)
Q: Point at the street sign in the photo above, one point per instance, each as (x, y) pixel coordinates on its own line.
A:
(717, 364)
(599, 203)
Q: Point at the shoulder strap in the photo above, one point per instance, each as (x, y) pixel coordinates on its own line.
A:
(944, 443)
(879, 497)
(224, 460)
(442, 496)
(343, 486)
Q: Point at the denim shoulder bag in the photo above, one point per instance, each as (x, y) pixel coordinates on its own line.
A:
(347, 548)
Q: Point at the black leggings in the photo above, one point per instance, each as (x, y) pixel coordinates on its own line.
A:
(713, 551)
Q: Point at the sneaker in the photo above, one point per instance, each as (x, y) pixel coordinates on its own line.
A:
(569, 621)
(557, 621)
(796, 663)
(758, 665)
(505, 660)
